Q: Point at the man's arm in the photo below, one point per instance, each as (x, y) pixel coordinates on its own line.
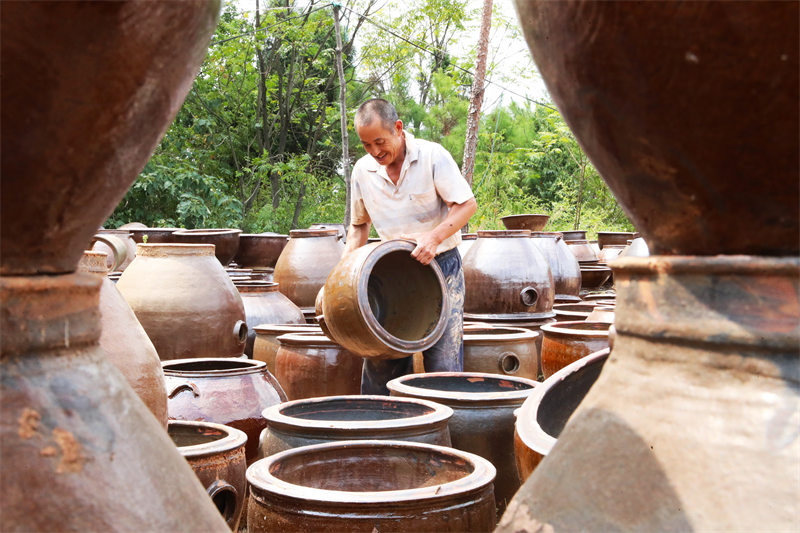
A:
(357, 235)
(427, 243)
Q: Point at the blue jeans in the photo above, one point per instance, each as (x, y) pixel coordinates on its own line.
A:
(447, 355)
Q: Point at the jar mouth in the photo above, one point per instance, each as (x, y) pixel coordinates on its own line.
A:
(503, 234)
(281, 329)
(211, 366)
(467, 387)
(479, 334)
(208, 231)
(199, 439)
(577, 328)
(173, 249)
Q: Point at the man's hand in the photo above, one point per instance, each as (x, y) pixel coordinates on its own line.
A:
(427, 243)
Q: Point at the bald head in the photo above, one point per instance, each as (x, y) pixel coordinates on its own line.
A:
(376, 109)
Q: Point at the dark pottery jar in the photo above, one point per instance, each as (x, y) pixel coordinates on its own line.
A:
(309, 365)
(618, 238)
(185, 301)
(265, 347)
(225, 241)
(544, 414)
(153, 235)
(594, 276)
(371, 485)
(260, 250)
(566, 342)
(530, 325)
(529, 222)
(381, 302)
(224, 391)
(501, 350)
(505, 276)
(483, 416)
(264, 304)
(216, 454)
(337, 418)
(583, 251)
(306, 262)
(563, 264)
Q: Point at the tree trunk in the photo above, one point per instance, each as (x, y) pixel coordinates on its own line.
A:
(298, 206)
(476, 97)
(579, 201)
(343, 113)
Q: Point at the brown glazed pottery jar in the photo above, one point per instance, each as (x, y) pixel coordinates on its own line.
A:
(337, 418)
(381, 302)
(111, 242)
(483, 416)
(225, 241)
(264, 304)
(185, 301)
(265, 347)
(216, 454)
(467, 240)
(260, 250)
(496, 350)
(563, 264)
(153, 235)
(583, 251)
(506, 276)
(125, 342)
(544, 414)
(594, 276)
(309, 365)
(566, 342)
(224, 391)
(528, 222)
(371, 485)
(618, 238)
(306, 262)
(530, 325)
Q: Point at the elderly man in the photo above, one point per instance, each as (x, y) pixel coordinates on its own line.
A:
(411, 188)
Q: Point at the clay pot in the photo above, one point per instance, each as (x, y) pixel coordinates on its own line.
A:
(619, 238)
(341, 230)
(118, 245)
(507, 277)
(372, 485)
(467, 240)
(132, 225)
(594, 277)
(483, 415)
(216, 454)
(305, 264)
(495, 350)
(224, 391)
(637, 248)
(531, 325)
(381, 302)
(337, 418)
(74, 433)
(260, 250)
(563, 265)
(583, 252)
(264, 304)
(185, 301)
(528, 222)
(565, 342)
(574, 235)
(125, 342)
(609, 252)
(225, 241)
(154, 235)
(309, 365)
(544, 414)
(265, 347)
(602, 313)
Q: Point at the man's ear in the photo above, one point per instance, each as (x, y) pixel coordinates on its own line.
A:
(398, 126)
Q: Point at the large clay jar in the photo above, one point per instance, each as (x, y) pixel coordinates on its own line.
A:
(506, 276)
(111, 242)
(152, 235)
(496, 350)
(309, 365)
(216, 454)
(529, 222)
(372, 485)
(574, 235)
(566, 342)
(544, 414)
(583, 251)
(381, 302)
(563, 264)
(264, 304)
(483, 416)
(125, 342)
(260, 250)
(306, 262)
(225, 241)
(265, 347)
(185, 301)
(224, 391)
(593, 277)
(337, 418)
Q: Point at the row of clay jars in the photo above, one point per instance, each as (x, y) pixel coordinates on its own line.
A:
(305, 263)
(264, 304)
(185, 301)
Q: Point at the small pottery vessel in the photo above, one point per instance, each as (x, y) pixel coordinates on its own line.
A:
(528, 222)
(501, 350)
(264, 304)
(309, 365)
(574, 235)
(225, 241)
(483, 415)
(265, 347)
(381, 302)
(577, 311)
(153, 235)
(563, 264)
(619, 238)
(506, 276)
(583, 251)
(545, 413)
(566, 342)
(118, 245)
(594, 276)
(467, 240)
(260, 250)
(224, 391)
(336, 418)
(185, 301)
(306, 262)
(216, 454)
(372, 485)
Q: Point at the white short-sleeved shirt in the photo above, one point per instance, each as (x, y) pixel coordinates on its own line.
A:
(429, 183)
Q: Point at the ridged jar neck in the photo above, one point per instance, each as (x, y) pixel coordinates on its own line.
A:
(255, 287)
(174, 250)
(308, 233)
(504, 234)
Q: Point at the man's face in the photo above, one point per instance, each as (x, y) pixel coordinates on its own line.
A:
(385, 145)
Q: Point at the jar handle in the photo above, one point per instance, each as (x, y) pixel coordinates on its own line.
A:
(184, 387)
(117, 245)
